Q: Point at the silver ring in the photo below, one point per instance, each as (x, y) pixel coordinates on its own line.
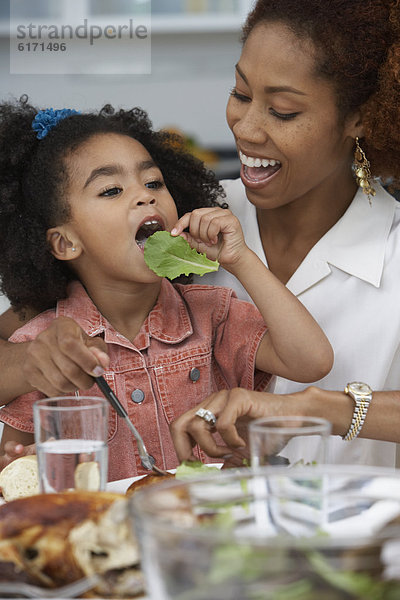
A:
(207, 415)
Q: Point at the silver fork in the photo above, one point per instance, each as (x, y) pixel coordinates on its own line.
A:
(26, 590)
(147, 460)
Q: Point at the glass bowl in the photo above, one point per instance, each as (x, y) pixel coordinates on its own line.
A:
(278, 533)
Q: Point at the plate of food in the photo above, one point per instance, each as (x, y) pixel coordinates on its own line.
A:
(185, 470)
(51, 540)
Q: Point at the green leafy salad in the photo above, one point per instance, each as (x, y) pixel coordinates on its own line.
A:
(170, 257)
(191, 469)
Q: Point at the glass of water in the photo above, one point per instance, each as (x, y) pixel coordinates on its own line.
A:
(71, 443)
(289, 441)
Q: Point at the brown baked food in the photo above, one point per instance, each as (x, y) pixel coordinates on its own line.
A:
(150, 479)
(54, 539)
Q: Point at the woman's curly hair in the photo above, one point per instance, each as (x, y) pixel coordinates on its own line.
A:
(358, 50)
(34, 178)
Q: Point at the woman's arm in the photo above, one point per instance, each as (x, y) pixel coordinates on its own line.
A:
(12, 357)
(235, 408)
(60, 360)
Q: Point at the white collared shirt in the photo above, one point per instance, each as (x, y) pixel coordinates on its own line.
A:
(350, 283)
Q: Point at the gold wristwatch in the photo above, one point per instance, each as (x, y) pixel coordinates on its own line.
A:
(362, 396)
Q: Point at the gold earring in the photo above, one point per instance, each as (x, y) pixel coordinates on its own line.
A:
(362, 171)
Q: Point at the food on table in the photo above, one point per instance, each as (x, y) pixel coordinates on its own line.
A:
(152, 479)
(170, 256)
(87, 476)
(54, 539)
(188, 469)
(239, 537)
(20, 478)
(185, 470)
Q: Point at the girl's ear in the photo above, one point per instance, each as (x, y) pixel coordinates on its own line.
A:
(62, 246)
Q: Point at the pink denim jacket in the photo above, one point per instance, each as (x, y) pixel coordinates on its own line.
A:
(198, 339)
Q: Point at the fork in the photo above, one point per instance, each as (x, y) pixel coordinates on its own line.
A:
(26, 590)
(147, 460)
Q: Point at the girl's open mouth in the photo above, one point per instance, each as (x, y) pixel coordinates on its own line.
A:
(147, 229)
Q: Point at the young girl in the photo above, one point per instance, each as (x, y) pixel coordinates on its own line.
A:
(80, 195)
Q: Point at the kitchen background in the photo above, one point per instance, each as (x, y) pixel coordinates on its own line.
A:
(194, 47)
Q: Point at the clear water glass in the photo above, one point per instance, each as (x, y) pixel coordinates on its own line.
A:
(71, 443)
(290, 441)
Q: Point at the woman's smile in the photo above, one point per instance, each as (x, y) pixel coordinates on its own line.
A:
(255, 171)
(289, 138)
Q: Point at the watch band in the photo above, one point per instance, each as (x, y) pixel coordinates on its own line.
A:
(361, 405)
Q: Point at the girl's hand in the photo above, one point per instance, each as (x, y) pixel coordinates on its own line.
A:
(13, 450)
(214, 231)
(62, 358)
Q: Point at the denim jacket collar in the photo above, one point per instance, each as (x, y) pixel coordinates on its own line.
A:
(168, 322)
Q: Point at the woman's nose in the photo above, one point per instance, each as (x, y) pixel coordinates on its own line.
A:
(251, 126)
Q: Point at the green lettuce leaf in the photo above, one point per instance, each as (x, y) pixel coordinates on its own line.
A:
(196, 468)
(170, 257)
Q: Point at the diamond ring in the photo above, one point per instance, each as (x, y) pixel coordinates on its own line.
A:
(207, 415)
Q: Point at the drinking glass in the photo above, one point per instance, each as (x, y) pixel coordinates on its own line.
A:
(289, 441)
(205, 538)
(71, 443)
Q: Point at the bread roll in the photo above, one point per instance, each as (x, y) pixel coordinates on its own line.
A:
(87, 476)
(54, 539)
(20, 478)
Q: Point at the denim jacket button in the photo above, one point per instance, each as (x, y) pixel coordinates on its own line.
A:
(137, 396)
(194, 374)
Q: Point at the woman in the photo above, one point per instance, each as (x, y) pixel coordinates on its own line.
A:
(317, 90)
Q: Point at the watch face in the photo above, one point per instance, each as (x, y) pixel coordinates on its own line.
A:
(360, 388)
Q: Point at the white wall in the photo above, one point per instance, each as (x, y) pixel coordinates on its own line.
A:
(188, 87)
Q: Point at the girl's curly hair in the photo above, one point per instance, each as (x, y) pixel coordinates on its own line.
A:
(34, 178)
(358, 50)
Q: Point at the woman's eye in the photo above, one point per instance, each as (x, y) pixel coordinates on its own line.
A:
(114, 191)
(241, 97)
(155, 185)
(283, 116)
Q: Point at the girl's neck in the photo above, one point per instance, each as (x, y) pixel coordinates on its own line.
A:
(126, 309)
(289, 232)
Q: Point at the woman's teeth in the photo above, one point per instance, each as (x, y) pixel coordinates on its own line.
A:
(249, 161)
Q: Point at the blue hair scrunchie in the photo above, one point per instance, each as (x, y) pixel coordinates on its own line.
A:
(46, 119)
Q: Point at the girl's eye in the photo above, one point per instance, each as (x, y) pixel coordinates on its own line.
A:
(241, 97)
(113, 191)
(283, 116)
(155, 185)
